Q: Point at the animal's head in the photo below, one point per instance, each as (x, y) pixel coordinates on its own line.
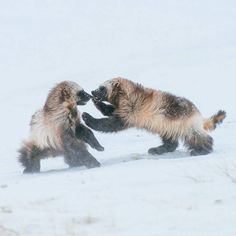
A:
(72, 92)
(112, 90)
(67, 93)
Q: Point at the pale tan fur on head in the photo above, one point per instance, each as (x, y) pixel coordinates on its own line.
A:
(118, 87)
(65, 94)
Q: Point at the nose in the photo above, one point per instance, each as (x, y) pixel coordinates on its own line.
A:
(102, 88)
(83, 95)
(87, 95)
(94, 92)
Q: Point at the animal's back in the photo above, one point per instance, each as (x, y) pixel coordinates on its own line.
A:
(168, 115)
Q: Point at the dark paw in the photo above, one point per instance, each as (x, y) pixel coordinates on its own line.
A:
(92, 164)
(98, 104)
(99, 148)
(86, 117)
(30, 171)
(200, 152)
(27, 171)
(93, 142)
(157, 150)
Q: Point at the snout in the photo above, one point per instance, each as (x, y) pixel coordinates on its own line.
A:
(100, 93)
(83, 97)
(95, 93)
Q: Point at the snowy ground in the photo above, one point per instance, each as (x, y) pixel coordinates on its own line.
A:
(186, 47)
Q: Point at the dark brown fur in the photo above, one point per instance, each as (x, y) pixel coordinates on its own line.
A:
(176, 107)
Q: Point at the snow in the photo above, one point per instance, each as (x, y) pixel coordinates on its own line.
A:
(184, 47)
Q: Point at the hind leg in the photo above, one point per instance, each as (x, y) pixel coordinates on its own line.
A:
(72, 160)
(81, 158)
(75, 152)
(200, 144)
(30, 158)
(168, 145)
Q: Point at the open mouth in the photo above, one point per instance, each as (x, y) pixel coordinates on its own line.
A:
(83, 97)
(81, 103)
(99, 94)
(97, 98)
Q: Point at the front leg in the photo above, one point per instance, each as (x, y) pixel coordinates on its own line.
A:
(107, 125)
(84, 133)
(104, 108)
(80, 158)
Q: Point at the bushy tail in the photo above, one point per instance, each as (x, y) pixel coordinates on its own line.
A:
(23, 157)
(211, 123)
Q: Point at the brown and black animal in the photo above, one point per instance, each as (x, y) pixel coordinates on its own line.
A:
(56, 130)
(173, 118)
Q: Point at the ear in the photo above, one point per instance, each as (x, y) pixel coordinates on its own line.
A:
(65, 94)
(117, 88)
(116, 85)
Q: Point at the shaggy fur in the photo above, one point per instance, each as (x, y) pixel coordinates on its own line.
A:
(173, 118)
(56, 130)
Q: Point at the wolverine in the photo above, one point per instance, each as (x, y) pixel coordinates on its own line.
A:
(128, 104)
(56, 130)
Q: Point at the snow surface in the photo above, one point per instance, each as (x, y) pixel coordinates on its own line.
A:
(185, 47)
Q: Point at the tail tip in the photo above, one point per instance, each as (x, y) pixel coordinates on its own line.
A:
(220, 116)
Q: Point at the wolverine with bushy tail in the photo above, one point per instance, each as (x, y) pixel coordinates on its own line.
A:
(173, 118)
(56, 130)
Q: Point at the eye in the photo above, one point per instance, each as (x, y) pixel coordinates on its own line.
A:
(78, 93)
(102, 88)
